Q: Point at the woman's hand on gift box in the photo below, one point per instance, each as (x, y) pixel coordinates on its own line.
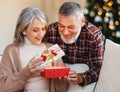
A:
(34, 65)
(74, 77)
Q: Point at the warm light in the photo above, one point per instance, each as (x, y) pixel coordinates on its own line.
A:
(116, 23)
(99, 12)
(111, 27)
(118, 7)
(119, 13)
(96, 6)
(110, 3)
(100, 27)
(107, 14)
(104, 7)
(113, 33)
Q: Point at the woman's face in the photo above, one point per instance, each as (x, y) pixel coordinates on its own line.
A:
(35, 32)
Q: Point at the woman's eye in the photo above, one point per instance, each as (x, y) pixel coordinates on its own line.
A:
(35, 30)
(44, 28)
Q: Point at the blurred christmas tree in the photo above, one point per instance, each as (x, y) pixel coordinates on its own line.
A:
(105, 14)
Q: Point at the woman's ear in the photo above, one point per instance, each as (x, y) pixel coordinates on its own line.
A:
(24, 32)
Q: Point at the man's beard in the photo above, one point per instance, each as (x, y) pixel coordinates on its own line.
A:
(72, 40)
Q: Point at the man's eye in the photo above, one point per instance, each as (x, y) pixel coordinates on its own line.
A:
(61, 26)
(71, 27)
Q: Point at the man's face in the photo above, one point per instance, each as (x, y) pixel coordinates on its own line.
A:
(69, 28)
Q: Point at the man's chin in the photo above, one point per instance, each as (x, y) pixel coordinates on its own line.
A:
(71, 41)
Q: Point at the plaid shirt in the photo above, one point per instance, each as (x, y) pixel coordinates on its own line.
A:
(87, 49)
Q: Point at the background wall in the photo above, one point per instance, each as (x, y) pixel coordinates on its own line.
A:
(50, 7)
(10, 10)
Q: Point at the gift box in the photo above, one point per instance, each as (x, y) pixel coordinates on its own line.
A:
(55, 71)
(51, 54)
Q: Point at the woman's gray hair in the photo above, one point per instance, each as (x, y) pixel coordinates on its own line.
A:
(25, 19)
(71, 8)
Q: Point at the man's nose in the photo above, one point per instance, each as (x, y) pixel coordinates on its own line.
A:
(65, 31)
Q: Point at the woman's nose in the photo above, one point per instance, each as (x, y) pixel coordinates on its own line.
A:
(40, 32)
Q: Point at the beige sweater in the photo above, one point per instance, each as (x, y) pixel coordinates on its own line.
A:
(13, 77)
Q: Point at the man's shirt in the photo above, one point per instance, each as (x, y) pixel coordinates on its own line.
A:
(87, 49)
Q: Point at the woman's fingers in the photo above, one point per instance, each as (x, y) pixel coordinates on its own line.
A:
(34, 65)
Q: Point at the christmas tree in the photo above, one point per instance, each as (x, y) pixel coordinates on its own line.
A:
(105, 14)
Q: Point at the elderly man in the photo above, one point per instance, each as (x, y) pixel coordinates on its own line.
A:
(82, 42)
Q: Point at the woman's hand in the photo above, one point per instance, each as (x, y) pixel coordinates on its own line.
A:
(34, 65)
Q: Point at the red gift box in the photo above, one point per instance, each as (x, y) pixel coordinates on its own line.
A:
(55, 71)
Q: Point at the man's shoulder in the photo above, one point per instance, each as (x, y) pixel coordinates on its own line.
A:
(91, 32)
(92, 29)
(53, 27)
(54, 24)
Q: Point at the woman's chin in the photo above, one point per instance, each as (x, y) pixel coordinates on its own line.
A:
(37, 43)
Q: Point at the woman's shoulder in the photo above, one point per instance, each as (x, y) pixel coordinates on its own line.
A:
(11, 47)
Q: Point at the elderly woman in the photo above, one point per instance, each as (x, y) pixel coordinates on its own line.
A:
(19, 69)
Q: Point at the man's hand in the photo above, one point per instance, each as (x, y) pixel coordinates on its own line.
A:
(74, 77)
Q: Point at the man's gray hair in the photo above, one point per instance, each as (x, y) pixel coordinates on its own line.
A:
(71, 8)
(25, 19)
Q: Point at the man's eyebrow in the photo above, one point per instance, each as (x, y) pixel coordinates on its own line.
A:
(60, 23)
(68, 26)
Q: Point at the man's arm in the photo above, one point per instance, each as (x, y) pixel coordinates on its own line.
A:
(96, 53)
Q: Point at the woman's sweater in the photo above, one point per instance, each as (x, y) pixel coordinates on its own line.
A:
(12, 76)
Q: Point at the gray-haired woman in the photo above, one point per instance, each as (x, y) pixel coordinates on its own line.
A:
(19, 70)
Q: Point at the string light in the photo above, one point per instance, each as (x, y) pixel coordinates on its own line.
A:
(118, 34)
(104, 7)
(106, 19)
(107, 14)
(98, 19)
(116, 23)
(96, 6)
(100, 13)
(106, 0)
(119, 13)
(92, 13)
(118, 1)
(86, 11)
(100, 27)
(110, 3)
(111, 27)
(113, 33)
